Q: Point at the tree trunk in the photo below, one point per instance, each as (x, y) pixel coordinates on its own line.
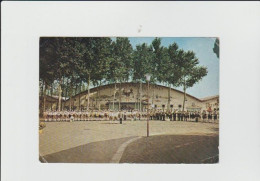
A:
(62, 94)
(41, 100)
(70, 92)
(136, 98)
(119, 104)
(59, 105)
(140, 96)
(96, 98)
(152, 87)
(79, 99)
(88, 90)
(51, 94)
(169, 98)
(44, 97)
(184, 90)
(66, 93)
(99, 95)
(114, 97)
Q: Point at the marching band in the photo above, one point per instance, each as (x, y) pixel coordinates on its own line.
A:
(134, 115)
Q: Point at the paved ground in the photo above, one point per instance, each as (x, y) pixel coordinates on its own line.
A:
(173, 149)
(64, 141)
(96, 152)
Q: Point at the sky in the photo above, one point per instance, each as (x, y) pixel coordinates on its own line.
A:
(203, 48)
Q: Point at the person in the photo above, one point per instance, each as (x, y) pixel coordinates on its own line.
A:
(215, 116)
(197, 117)
(179, 115)
(151, 115)
(120, 116)
(72, 117)
(204, 115)
(124, 116)
(170, 115)
(209, 116)
(163, 115)
(174, 115)
(184, 116)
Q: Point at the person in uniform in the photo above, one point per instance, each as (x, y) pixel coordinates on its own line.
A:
(209, 117)
(163, 115)
(186, 115)
(204, 115)
(197, 117)
(170, 115)
(174, 115)
(181, 115)
(193, 116)
(124, 116)
(215, 116)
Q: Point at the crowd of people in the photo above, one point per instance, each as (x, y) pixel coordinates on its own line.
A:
(134, 115)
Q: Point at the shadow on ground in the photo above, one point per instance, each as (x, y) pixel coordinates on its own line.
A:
(96, 152)
(153, 149)
(173, 149)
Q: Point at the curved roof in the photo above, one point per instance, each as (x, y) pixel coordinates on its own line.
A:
(109, 85)
(209, 98)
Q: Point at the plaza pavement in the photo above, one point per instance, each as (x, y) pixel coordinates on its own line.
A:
(173, 149)
(65, 139)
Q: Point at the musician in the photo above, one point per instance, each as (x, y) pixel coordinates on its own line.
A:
(186, 115)
(204, 115)
(197, 117)
(215, 116)
(181, 115)
(124, 116)
(174, 116)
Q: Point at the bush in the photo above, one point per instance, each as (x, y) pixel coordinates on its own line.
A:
(42, 125)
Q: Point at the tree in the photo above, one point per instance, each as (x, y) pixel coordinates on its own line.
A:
(158, 52)
(216, 47)
(190, 72)
(171, 73)
(142, 64)
(46, 68)
(102, 53)
(120, 64)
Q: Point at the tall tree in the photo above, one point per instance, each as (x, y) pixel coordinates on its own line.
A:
(171, 74)
(120, 64)
(191, 72)
(47, 69)
(216, 47)
(142, 64)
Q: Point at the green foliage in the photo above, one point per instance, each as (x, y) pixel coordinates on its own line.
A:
(120, 62)
(143, 62)
(216, 47)
(158, 62)
(190, 72)
(73, 62)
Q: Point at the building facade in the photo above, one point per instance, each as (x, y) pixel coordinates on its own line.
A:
(135, 96)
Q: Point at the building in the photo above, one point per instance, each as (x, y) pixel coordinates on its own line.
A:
(51, 102)
(134, 96)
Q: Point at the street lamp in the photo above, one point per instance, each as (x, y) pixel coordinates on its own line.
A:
(148, 77)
